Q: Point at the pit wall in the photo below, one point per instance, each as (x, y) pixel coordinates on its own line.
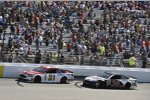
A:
(12, 70)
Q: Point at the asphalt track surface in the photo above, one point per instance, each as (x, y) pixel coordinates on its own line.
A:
(10, 89)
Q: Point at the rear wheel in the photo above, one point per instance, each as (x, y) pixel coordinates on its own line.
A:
(63, 80)
(127, 86)
(37, 79)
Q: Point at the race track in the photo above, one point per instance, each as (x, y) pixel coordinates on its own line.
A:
(10, 89)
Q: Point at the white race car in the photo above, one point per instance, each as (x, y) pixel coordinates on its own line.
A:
(109, 80)
(47, 74)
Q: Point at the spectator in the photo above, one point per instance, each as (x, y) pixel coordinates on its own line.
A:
(69, 47)
(126, 55)
(37, 44)
(147, 45)
(12, 29)
(38, 57)
(40, 40)
(96, 59)
(61, 61)
(144, 60)
(101, 49)
(132, 61)
(82, 60)
(29, 52)
(54, 58)
(142, 50)
(30, 38)
(47, 41)
(92, 60)
(48, 58)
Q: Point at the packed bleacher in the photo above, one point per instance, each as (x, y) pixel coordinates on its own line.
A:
(100, 33)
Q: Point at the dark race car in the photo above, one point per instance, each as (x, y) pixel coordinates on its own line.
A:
(109, 80)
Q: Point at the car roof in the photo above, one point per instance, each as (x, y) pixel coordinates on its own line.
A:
(49, 67)
(114, 73)
(110, 73)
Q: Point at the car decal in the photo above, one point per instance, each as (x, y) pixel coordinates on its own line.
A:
(115, 83)
(31, 72)
(51, 77)
(123, 81)
(60, 74)
(95, 78)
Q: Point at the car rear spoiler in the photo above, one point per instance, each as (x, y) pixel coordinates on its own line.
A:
(132, 77)
(68, 71)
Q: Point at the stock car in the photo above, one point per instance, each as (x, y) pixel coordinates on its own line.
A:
(46, 74)
(109, 80)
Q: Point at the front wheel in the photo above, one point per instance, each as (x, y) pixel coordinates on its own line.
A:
(63, 80)
(37, 79)
(127, 86)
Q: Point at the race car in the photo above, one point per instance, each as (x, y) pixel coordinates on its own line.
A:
(47, 74)
(109, 80)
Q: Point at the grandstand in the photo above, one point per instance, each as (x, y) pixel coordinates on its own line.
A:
(95, 33)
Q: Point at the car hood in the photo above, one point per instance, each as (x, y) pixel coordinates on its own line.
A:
(31, 72)
(94, 78)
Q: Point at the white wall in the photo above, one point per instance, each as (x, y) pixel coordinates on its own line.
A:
(143, 75)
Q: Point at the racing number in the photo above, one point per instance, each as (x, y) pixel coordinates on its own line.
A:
(51, 77)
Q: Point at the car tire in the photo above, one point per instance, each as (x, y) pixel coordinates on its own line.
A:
(63, 80)
(102, 84)
(128, 85)
(37, 79)
(84, 84)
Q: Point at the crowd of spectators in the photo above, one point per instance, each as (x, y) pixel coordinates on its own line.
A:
(122, 27)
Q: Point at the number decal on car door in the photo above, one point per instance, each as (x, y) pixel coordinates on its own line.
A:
(51, 77)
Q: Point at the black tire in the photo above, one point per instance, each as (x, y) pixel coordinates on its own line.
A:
(84, 85)
(128, 85)
(37, 79)
(102, 84)
(63, 80)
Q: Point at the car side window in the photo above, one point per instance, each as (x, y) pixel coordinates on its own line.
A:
(52, 71)
(116, 77)
(124, 77)
(59, 71)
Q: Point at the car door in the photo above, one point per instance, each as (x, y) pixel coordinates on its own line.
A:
(123, 80)
(51, 75)
(115, 80)
(59, 75)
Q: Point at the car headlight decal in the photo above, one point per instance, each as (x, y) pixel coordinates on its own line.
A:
(30, 75)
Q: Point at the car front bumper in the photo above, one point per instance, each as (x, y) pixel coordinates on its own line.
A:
(133, 85)
(69, 79)
(25, 78)
(89, 83)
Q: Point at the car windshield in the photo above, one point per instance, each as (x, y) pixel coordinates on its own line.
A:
(105, 75)
(40, 69)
